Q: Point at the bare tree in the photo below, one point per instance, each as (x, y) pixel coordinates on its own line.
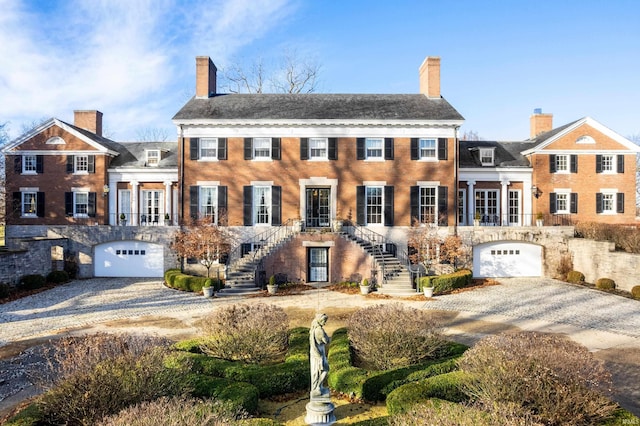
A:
(470, 135)
(152, 134)
(202, 240)
(291, 74)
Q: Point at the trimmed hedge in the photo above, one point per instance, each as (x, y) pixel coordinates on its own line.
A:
(446, 282)
(58, 277)
(635, 291)
(242, 394)
(444, 386)
(575, 277)
(176, 279)
(344, 377)
(605, 284)
(32, 282)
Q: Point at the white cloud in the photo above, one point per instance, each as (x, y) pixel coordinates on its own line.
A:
(132, 60)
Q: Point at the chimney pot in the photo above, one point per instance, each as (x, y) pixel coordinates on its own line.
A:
(206, 73)
(90, 120)
(430, 77)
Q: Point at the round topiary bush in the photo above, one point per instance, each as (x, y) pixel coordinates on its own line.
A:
(58, 277)
(635, 292)
(32, 282)
(605, 284)
(575, 277)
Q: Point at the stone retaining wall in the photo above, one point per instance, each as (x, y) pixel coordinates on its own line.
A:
(597, 259)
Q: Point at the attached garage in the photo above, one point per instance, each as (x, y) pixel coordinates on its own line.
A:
(507, 259)
(129, 259)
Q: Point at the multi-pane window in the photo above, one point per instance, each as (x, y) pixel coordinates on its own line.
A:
(153, 157)
(428, 148)
(428, 204)
(261, 148)
(562, 202)
(487, 206)
(462, 206)
(608, 163)
(318, 148)
(374, 147)
(208, 148)
(29, 204)
(514, 207)
(29, 164)
(562, 163)
(486, 156)
(208, 200)
(608, 203)
(374, 204)
(81, 163)
(261, 204)
(80, 204)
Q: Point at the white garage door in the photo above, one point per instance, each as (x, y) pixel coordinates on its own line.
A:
(507, 259)
(129, 259)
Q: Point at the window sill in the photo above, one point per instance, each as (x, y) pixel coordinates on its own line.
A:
(29, 173)
(375, 160)
(208, 160)
(428, 160)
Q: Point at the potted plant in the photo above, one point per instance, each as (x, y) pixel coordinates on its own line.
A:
(208, 289)
(337, 222)
(123, 219)
(167, 219)
(539, 219)
(365, 288)
(427, 287)
(272, 287)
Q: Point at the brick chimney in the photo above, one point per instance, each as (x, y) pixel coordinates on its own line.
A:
(540, 122)
(205, 77)
(430, 77)
(90, 120)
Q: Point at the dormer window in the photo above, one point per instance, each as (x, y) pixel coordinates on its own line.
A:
(487, 156)
(153, 157)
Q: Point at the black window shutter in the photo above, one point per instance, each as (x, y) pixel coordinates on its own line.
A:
(222, 148)
(17, 164)
(39, 163)
(222, 201)
(442, 149)
(91, 163)
(620, 164)
(194, 148)
(552, 163)
(248, 148)
(415, 149)
(92, 205)
(276, 205)
(68, 203)
(388, 148)
(574, 202)
(194, 201)
(598, 202)
(275, 149)
(247, 208)
(17, 203)
(443, 211)
(69, 163)
(333, 148)
(574, 163)
(304, 148)
(360, 149)
(360, 205)
(40, 204)
(414, 201)
(552, 202)
(388, 205)
(598, 163)
(620, 202)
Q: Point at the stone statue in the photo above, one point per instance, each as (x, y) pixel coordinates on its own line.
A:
(318, 339)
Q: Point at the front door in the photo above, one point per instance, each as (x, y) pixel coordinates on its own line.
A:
(151, 208)
(317, 214)
(318, 264)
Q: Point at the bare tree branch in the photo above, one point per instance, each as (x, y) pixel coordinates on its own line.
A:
(152, 134)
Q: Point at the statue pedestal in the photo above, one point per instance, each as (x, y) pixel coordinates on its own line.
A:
(320, 411)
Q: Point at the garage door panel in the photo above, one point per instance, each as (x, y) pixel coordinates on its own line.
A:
(129, 259)
(507, 259)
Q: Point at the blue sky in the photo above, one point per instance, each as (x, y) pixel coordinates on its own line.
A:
(134, 60)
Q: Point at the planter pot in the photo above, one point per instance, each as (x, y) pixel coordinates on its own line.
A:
(272, 289)
(365, 289)
(337, 225)
(539, 222)
(476, 222)
(428, 291)
(208, 291)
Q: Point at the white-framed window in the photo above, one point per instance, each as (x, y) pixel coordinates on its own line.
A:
(29, 164)
(80, 204)
(375, 205)
(318, 148)
(152, 206)
(208, 202)
(585, 140)
(563, 202)
(428, 204)
(514, 207)
(428, 148)
(562, 163)
(81, 164)
(487, 205)
(261, 148)
(374, 148)
(486, 156)
(462, 206)
(153, 157)
(124, 205)
(29, 204)
(608, 163)
(608, 203)
(208, 148)
(262, 205)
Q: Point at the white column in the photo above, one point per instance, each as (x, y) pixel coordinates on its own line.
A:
(471, 204)
(167, 200)
(135, 208)
(113, 196)
(504, 202)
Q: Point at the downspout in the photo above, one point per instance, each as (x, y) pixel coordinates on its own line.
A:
(181, 186)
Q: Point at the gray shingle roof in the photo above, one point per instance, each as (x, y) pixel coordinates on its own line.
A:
(132, 155)
(506, 154)
(318, 107)
(547, 135)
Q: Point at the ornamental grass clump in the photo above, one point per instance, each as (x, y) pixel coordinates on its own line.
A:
(255, 333)
(549, 376)
(393, 336)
